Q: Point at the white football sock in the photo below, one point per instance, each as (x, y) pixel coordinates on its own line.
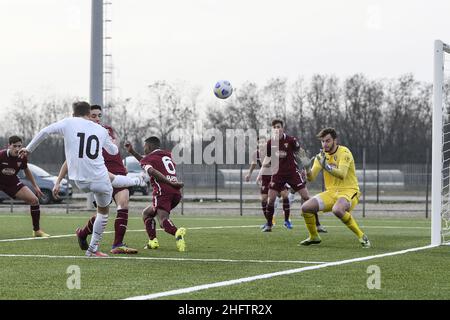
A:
(124, 181)
(277, 203)
(97, 233)
(291, 197)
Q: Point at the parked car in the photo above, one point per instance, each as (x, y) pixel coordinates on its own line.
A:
(134, 169)
(46, 182)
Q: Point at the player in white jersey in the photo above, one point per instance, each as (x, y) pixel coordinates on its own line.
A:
(83, 143)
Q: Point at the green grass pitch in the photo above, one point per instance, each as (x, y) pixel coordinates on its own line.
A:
(220, 249)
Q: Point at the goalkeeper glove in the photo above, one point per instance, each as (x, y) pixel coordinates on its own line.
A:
(304, 159)
(321, 157)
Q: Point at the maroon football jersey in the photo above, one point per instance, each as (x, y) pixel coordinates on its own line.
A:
(113, 163)
(162, 161)
(9, 167)
(286, 148)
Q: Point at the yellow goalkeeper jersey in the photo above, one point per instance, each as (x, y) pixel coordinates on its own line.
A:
(343, 165)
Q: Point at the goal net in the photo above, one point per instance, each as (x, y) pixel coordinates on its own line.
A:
(440, 190)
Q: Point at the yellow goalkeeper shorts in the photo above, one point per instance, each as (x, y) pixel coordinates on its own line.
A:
(328, 198)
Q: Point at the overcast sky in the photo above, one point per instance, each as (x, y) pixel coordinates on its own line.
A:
(45, 43)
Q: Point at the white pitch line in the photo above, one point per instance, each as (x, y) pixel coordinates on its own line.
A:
(33, 238)
(383, 227)
(158, 258)
(202, 228)
(270, 275)
(50, 216)
(106, 232)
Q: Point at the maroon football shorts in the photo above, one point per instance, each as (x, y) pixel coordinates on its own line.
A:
(12, 188)
(116, 172)
(116, 191)
(296, 181)
(166, 202)
(265, 181)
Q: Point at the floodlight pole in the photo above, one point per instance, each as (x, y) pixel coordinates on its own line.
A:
(96, 74)
(96, 66)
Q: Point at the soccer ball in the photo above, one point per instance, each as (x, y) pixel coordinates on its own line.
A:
(223, 89)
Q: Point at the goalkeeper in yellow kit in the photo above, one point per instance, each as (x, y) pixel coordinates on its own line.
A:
(341, 186)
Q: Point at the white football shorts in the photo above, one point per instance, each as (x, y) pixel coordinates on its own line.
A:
(101, 188)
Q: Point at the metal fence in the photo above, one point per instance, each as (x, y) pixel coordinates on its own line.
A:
(387, 183)
(222, 188)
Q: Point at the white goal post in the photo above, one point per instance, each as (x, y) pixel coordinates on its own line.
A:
(440, 187)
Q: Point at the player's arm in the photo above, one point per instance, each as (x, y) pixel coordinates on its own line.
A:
(110, 146)
(152, 172)
(62, 173)
(339, 172)
(57, 127)
(30, 177)
(266, 162)
(113, 136)
(268, 156)
(131, 151)
(311, 174)
(250, 171)
(253, 164)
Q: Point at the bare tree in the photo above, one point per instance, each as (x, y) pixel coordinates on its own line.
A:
(297, 118)
(274, 98)
(249, 102)
(323, 103)
(395, 113)
(223, 118)
(29, 114)
(169, 110)
(362, 123)
(407, 102)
